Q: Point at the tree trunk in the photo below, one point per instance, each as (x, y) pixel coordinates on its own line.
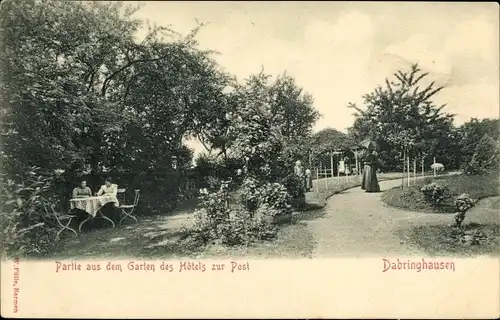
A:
(404, 164)
(408, 169)
(414, 170)
(434, 167)
(423, 171)
(317, 179)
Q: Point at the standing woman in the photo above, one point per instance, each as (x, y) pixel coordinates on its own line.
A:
(370, 182)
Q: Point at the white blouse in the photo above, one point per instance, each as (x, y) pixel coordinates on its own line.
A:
(112, 190)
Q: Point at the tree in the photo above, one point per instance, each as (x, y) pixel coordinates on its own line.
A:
(401, 117)
(486, 156)
(470, 133)
(294, 105)
(54, 55)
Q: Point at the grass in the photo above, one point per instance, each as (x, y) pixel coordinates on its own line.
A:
(477, 186)
(482, 221)
(441, 240)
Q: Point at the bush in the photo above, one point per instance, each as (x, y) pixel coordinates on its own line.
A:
(216, 222)
(463, 203)
(295, 186)
(248, 194)
(434, 193)
(28, 228)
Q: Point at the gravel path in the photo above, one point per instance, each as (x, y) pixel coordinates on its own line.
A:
(357, 223)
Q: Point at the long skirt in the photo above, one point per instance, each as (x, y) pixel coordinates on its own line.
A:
(370, 182)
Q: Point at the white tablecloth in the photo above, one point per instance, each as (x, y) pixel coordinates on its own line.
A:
(92, 204)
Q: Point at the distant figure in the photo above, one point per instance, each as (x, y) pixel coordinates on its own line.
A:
(298, 169)
(308, 180)
(82, 190)
(370, 182)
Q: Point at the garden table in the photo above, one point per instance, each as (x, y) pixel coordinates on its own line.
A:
(93, 205)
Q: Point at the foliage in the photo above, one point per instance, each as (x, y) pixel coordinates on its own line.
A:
(412, 199)
(463, 203)
(216, 221)
(100, 100)
(29, 228)
(470, 133)
(401, 116)
(210, 167)
(434, 193)
(295, 186)
(486, 156)
(327, 140)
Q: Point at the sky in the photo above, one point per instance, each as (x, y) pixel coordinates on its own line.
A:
(339, 51)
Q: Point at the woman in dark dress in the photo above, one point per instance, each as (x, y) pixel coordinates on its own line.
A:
(370, 182)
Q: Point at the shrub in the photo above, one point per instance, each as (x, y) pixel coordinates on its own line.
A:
(216, 205)
(248, 194)
(295, 186)
(463, 203)
(28, 228)
(275, 195)
(434, 193)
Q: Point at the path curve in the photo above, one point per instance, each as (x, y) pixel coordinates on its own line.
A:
(357, 223)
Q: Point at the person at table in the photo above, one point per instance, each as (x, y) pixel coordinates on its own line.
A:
(82, 191)
(371, 164)
(109, 189)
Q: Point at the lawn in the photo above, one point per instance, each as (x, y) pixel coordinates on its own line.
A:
(480, 234)
(442, 240)
(477, 186)
(159, 237)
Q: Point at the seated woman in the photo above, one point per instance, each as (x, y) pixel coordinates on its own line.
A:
(109, 189)
(82, 191)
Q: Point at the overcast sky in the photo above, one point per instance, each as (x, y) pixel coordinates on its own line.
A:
(339, 51)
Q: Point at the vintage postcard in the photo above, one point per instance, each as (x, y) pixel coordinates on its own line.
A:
(168, 159)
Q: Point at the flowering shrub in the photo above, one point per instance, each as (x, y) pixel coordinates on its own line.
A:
(216, 222)
(463, 203)
(216, 205)
(295, 186)
(434, 193)
(248, 194)
(275, 195)
(254, 194)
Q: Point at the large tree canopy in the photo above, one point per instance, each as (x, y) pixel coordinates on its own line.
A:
(401, 116)
(77, 86)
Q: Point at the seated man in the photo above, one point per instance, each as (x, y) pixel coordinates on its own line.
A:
(82, 191)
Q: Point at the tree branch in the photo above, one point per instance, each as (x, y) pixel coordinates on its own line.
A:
(128, 65)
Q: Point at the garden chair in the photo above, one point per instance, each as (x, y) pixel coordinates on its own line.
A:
(64, 220)
(121, 195)
(128, 209)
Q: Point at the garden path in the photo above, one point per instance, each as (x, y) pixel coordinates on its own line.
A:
(357, 223)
